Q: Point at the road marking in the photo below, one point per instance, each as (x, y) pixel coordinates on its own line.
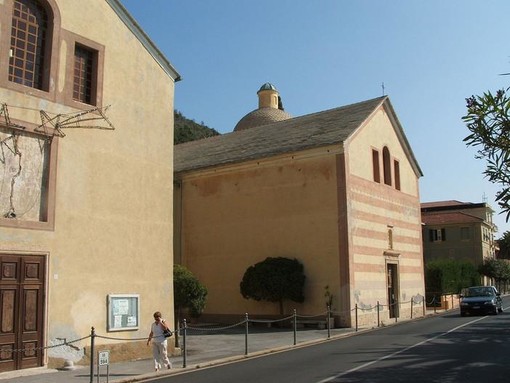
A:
(360, 367)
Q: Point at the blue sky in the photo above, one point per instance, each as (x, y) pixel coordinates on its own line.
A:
(322, 54)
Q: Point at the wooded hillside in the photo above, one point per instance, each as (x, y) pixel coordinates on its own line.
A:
(188, 130)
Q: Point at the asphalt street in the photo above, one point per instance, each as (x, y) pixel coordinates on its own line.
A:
(446, 348)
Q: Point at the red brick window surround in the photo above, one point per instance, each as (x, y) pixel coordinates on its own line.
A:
(29, 39)
(84, 72)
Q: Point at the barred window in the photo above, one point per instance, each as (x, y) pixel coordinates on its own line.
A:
(437, 235)
(84, 73)
(29, 35)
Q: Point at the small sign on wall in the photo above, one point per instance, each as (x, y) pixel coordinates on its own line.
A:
(123, 312)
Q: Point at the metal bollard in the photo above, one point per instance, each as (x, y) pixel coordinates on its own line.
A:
(378, 315)
(295, 327)
(92, 341)
(184, 356)
(246, 323)
(356, 315)
(328, 317)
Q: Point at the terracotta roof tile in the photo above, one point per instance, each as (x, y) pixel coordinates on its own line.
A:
(444, 218)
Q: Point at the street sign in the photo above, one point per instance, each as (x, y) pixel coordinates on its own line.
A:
(103, 358)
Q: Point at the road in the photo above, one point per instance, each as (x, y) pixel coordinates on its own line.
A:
(447, 348)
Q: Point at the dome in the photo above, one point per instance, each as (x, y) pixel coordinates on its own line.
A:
(262, 116)
(267, 86)
(270, 109)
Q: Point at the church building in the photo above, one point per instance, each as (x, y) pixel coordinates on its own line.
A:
(337, 190)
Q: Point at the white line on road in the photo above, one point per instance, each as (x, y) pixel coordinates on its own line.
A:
(398, 352)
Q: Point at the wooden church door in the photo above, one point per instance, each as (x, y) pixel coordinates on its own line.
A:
(22, 300)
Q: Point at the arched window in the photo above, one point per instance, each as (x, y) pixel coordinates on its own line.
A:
(387, 165)
(396, 172)
(375, 165)
(30, 44)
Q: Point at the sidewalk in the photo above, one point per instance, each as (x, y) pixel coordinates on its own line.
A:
(203, 350)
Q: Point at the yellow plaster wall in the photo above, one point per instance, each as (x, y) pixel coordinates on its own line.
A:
(235, 218)
(113, 216)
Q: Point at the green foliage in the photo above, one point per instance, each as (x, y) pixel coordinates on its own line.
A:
(189, 293)
(188, 130)
(449, 276)
(488, 121)
(274, 280)
(497, 269)
(504, 246)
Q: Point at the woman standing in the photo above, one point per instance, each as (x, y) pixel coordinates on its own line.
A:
(159, 344)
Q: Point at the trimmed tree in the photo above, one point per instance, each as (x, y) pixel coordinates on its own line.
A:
(274, 280)
(189, 293)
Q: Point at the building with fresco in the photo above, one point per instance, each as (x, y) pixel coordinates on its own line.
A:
(86, 146)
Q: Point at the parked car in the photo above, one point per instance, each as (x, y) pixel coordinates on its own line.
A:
(480, 300)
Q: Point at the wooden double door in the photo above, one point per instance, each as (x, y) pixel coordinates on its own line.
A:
(22, 300)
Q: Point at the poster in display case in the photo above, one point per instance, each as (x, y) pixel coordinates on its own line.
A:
(123, 312)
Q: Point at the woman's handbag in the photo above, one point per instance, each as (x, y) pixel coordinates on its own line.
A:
(167, 333)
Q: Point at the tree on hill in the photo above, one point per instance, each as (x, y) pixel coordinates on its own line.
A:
(488, 120)
(188, 130)
(274, 280)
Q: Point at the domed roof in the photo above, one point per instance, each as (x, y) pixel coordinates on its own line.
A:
(267, 86)
(262, 116)
(270, 109)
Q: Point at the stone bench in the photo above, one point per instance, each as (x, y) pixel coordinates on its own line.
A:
(319, 323)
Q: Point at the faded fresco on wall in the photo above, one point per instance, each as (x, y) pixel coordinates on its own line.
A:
(24, 161)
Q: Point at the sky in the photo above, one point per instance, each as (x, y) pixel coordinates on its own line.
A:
(427, 56)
